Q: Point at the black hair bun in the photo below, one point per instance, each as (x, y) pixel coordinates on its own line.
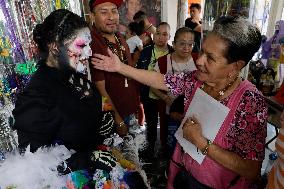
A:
(38, 34)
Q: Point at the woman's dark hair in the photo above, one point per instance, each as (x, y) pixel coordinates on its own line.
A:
(164, 24)
(136, 28)
(140, 15)
(243, 39)
(58, 27)
(182, 31)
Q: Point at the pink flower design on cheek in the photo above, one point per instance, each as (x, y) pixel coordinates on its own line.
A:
(83, 47)
(80, 43)
(74, 50)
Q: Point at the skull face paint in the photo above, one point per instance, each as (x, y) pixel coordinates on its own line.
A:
(79, 50)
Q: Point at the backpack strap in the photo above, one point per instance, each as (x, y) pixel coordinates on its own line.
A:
(162, 63)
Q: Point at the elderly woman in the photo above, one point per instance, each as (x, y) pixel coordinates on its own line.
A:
(234, 158)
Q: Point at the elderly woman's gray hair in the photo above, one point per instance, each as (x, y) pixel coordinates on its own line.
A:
(242, 37)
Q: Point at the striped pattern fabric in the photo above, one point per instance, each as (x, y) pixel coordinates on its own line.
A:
(276, 175)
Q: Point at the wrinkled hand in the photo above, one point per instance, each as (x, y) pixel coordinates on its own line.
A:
(192, 131)
(109, 63)
(103, 160)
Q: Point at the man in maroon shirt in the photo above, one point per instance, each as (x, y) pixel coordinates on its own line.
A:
(120, 91)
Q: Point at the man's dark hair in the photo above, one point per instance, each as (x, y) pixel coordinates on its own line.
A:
(195, 5)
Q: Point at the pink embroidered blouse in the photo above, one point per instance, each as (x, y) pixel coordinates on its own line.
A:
(243, 132)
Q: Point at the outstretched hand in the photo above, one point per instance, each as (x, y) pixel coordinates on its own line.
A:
(109, 63)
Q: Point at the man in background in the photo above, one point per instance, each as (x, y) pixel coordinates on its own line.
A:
(120, 91)
(194, 23)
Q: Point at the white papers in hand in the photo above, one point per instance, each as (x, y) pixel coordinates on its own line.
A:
(210, 114)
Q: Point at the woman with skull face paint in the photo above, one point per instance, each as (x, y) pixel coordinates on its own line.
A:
(60, 105)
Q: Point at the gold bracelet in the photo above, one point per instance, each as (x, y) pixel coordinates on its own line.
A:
(205, 150)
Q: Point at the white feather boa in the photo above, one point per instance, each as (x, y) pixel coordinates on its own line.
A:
(34, 170)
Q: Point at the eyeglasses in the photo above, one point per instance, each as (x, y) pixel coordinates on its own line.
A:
(185, 44)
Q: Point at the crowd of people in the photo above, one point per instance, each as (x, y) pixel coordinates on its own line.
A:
(143, 76)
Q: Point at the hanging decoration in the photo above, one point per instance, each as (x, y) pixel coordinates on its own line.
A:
(10, 84)
(26, 68)
(8, 89)
(7, 136)
(57, 4)
(18, 54)
(5, 46)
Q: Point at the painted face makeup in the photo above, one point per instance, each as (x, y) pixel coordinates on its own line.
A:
(79, 50)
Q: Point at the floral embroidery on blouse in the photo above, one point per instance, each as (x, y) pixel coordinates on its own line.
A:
(247, 132)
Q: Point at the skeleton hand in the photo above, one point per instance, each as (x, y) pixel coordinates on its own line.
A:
(107, 125)
(103, 160)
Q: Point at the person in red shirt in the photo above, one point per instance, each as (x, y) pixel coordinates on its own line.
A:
(120, 91)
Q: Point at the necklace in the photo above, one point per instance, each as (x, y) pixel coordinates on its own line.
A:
(222, 91)
(119, 52)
